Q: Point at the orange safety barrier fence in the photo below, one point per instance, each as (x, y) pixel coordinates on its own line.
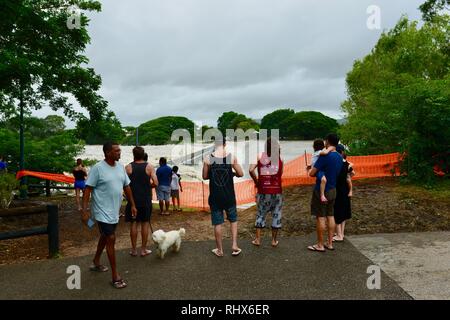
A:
(195, 194)
(46, 176)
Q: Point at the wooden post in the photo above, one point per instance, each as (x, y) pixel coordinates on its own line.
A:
(53, 230)
(47, 188)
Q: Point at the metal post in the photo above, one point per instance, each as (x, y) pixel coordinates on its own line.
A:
(47, 188)
(53, 230)
(23, 192)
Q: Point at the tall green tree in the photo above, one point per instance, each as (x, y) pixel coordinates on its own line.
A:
(100, 130)
(307, 125)
(233, 120)
(431, 8)
(399, 97)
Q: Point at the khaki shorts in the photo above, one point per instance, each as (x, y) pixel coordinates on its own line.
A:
(320, 209)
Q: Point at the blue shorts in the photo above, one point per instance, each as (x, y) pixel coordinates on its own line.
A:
(163, 193)
(107, 229)
(80, 184)
(217, 215)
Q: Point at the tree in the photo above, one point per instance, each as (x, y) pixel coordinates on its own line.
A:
(159, 131)
(274, 119)
(431, 8)
(98, 131)
(307, 125)
(399, 97)
(233, 120)
(42, 61)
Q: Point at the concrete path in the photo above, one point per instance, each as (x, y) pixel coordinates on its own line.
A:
(418, 262)
(287, 272)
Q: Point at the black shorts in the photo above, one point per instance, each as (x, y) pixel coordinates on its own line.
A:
(143, 214)
(320, 209)
(107, 229)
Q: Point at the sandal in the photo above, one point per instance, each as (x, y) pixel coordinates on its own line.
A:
(119, 284)
(217, 252)
(314, 248)
(328, 247)
(99, 268)
(254, 242)
(275, 244)
(236, 252)
(146, 252)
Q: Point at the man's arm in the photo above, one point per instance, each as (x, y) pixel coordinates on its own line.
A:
(317, 167)
(205, 170)
(130, 198)
(152, 174)
(179, 182)
(237, 168)
(129, 169)
(251, 170)
(86, 196)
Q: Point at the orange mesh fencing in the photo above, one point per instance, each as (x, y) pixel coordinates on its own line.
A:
(195, 194)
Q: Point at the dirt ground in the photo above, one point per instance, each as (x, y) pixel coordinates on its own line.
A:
(378, 206)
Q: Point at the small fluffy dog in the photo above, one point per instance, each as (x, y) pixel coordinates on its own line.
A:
(165, 240)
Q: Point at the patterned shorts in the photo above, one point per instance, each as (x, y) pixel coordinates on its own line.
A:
(266, 203)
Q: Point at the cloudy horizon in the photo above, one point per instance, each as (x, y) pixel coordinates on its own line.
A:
(200, 58)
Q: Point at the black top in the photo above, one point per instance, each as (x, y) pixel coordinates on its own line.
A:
(221, 186)
(80, 175)
(140, 185)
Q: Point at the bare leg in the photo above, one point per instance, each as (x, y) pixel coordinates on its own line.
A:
(320, 229)
(100, 246)
(331, 228)
(323, 183)
(234, 233)
(257, 240)
(110, 243)
(167, 206)
(161, 207)
(133, 236)
(218, 236)
(178, 201)
(350, 187)
(274, 237)
(77, 198)
(173, 202)
(144, 235)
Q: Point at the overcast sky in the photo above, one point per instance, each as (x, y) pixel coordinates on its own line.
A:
(199, 58)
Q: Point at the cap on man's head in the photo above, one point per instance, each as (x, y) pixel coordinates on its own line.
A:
(340, 148)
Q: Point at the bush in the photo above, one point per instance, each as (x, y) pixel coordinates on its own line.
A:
(8, 184)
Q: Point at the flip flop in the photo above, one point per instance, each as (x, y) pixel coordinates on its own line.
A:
(99, 268)
(236, 252)
(133, 254)
(119, 284)
(275, 245)
(336, 240)
(146, 252)
(217, 252)
(256, 244)
(328, 247)
(314, 248)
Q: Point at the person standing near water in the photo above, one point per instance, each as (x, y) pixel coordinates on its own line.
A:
(218, 168)
(142, 176)
(107, 181)
(80, 174)
(268, 182)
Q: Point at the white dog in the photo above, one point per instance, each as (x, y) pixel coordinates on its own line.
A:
(165, 240)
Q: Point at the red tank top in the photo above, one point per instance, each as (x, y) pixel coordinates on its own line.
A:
(269, 176)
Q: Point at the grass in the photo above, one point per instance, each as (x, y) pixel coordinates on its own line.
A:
(440, 191)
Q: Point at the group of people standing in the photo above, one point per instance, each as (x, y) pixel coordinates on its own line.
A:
(108, 180)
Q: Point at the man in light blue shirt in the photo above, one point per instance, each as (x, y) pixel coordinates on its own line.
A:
(107, 181)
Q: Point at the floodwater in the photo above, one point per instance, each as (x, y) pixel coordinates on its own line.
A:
(246, 153)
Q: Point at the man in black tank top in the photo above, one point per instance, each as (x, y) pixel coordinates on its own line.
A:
(218, 169)
(141, 174)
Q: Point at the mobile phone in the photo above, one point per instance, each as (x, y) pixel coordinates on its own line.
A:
(90, 223)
